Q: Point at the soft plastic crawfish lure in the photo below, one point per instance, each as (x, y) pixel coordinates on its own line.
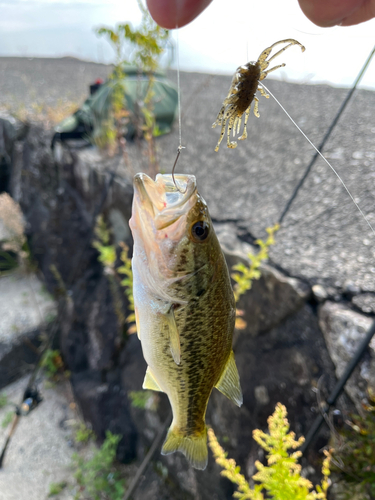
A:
(242, 92)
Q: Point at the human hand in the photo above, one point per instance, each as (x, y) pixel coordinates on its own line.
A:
(328, 13)
(172, 13)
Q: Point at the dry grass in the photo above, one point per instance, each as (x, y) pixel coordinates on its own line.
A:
(46, 115)
(11, 234)
(11, 217)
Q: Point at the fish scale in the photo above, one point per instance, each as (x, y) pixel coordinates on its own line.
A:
(185, 308)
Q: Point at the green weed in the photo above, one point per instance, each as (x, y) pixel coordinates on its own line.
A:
(3, 400)
(281, 478)
(98, 477)
(7, 419)
(247, 273)
(52, 363)
(121, 275)
(56, 488)
(107, 256)
(127, 282)
(147, 43)
(83, 434)
(107, 252)
(144, 400)
(355, 457)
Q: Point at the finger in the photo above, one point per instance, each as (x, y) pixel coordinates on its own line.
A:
(364, 13)
(175, 13)
(327, 13)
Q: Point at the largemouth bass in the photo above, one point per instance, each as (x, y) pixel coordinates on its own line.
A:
(184, 305)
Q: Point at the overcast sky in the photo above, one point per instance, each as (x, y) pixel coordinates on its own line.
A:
(227, 34)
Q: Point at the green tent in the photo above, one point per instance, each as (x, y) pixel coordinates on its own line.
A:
(84, 123)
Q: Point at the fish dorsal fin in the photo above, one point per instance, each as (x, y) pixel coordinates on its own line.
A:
(174, 337)
(229, 382)
(150, 382)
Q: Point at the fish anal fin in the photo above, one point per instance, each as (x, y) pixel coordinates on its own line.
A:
(150, 382)
(174, 336)
(229, 382)
(193, 447)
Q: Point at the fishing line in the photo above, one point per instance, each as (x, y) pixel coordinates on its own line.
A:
(180, 146)
(321, 155)
(178, 90)
(327, 135)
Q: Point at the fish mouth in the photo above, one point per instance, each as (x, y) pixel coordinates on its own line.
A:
(162, 199)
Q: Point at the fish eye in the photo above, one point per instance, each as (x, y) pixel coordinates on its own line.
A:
(200, 230)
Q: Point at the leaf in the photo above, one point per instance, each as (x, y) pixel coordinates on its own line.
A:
(240, 324)
(132, 329)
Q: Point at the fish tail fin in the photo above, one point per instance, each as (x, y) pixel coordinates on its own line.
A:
(193, 447)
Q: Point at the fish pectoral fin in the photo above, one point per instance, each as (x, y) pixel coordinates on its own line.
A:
(229, 382)
(137, 322)
(150, 382)
(174, 336)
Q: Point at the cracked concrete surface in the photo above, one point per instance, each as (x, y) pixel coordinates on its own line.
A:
(41, 449)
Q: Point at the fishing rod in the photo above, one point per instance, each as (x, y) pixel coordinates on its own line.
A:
(148, 457)
(30, 400)
(326, 137)
(321, 418)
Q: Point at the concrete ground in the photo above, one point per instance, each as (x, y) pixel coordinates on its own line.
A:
(40, 453)
(323, 239)
(28, 81)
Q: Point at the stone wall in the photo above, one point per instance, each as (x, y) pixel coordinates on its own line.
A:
(296, 342)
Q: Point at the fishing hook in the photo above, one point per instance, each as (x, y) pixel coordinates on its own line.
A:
(174, 166)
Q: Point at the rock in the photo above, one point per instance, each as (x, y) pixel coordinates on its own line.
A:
(341, 490)
(343, 331)
(351, 289)
(365, 302)
(7, 138)
(11, 130)
(273, 297)
(261, 394)
(320, 293)
(106, 407)
(285, 364)
(120, 226)
(26, 311)
(60, 202)
(12, 238)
